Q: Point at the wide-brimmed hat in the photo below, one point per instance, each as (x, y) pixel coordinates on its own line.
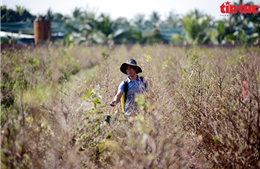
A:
(130, 62)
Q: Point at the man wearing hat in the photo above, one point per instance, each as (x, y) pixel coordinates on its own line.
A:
(136, 85)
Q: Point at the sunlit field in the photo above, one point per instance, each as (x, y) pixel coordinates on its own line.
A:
(202, 109)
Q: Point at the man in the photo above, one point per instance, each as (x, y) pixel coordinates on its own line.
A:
(135, 85)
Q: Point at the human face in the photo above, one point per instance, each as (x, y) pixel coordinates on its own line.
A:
(131, 70)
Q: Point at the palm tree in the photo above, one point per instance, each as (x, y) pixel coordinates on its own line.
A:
(243, 28)
(87, 28)
(155, 19)
(58, 17)
(109, 30)
(24, 14)
(76, 13)
(254, 20)
(197, 27)
(236, 19)
(172, 20)
(9, 15)
(139, 21)
(80, 26)
(49, 14)
(220, 32)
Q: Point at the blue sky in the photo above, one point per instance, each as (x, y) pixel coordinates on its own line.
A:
(123, 8)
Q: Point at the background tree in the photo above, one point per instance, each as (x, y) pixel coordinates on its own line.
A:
(139, 21)
(172, 20)
(197, 27)
(20, 14)
(88, 26)
(243, 28)
(77, 13)
(155, 20)
(49, 15)
(220, 32)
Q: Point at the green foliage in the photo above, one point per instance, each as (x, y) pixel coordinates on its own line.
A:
(196, 27)
(177, 39)
(67, 65)
(90, 133)
(20, 14)
(87, 26)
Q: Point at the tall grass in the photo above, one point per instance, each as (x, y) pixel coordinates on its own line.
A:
(201, 110)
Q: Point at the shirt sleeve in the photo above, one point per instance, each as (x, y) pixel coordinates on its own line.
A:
(121, 87)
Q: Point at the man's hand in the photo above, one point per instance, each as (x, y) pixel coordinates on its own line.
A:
(116, 98)
(113, 103)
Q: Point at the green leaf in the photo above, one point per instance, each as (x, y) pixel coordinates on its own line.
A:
(96, 102)
(90, 92)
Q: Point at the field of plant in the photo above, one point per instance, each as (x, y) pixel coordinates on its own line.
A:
(202, 109)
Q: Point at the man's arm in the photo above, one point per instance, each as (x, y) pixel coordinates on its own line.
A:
(146, 83)
(116, 98)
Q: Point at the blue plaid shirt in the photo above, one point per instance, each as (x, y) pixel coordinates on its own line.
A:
(134, 88)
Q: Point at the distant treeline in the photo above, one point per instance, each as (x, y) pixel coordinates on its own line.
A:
(86, 26)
